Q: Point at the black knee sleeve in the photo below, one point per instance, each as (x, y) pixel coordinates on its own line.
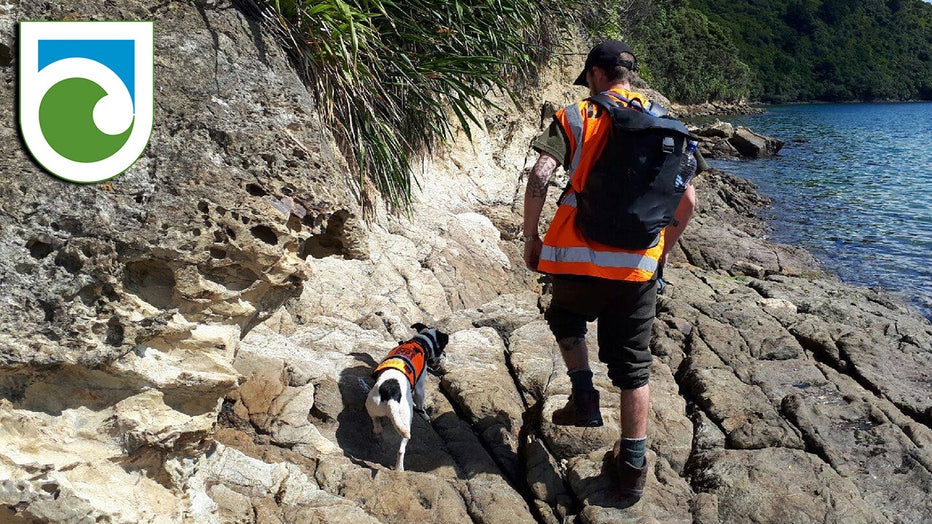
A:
(565, 324)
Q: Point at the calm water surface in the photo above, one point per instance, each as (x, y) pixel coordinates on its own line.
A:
(852, 186)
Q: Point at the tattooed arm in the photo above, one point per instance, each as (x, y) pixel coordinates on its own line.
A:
(534, 197)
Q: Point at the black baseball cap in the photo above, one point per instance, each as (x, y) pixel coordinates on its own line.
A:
(607, 55)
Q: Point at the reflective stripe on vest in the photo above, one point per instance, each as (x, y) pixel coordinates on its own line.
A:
(566, 250)
(574, 118)
(600, 258)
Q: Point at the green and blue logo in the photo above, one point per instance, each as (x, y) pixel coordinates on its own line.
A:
(85, 105)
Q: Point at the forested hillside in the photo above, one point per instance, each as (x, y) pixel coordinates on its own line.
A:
(829, 50)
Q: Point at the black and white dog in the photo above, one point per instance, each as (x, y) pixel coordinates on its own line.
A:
(399, 388)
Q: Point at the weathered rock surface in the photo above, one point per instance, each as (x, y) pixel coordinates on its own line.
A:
(193, 341)
(780, 485)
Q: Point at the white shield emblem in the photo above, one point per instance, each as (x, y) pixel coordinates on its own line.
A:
(85, 103)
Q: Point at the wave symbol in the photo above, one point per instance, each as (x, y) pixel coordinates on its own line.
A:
(86, 113)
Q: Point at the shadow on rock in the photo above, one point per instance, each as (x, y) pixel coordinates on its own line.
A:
(602, 489)
(354, 433)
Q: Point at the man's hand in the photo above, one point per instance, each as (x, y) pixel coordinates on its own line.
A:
(532, 249)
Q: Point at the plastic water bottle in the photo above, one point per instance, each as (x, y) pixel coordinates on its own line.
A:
(688, 165)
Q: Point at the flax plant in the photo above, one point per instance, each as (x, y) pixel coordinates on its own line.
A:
(391, 78)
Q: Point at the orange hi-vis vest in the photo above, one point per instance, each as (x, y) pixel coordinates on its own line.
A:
(566, 250)
(410, 358)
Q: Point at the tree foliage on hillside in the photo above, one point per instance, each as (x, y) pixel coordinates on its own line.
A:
(831, 50)
(689, 58)
(681, 53)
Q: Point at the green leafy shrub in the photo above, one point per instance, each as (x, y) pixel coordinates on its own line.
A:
(390, 77)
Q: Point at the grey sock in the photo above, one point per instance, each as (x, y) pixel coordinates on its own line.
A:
(634, 451)
(581, 379)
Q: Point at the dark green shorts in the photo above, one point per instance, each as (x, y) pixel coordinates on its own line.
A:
(625, 313)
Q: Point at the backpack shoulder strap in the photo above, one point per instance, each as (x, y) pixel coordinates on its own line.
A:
(632, 118)
(613, 102)
(608, 103)
(611, 97)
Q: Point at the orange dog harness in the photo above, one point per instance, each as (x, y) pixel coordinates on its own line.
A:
(410, 358)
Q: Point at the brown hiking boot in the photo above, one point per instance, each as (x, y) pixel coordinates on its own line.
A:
(581, 410)
(631, 480)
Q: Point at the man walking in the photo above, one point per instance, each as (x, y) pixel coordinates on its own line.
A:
(616, 286)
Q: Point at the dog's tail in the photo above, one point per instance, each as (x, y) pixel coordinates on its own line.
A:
(397, 411)
(390, 392)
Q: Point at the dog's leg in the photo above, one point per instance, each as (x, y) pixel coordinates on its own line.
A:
(418, 395)
(377, 427)
(400, 463)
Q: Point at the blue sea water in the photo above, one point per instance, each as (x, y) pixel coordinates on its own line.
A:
(853, 186)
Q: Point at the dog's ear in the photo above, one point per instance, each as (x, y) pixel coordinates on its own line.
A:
(442, 339)
(417, 326)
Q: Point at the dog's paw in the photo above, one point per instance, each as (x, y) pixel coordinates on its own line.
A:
(437, 366)
(423, 414)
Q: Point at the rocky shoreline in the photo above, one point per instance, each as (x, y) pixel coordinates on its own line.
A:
(192, 341)
(717, 109)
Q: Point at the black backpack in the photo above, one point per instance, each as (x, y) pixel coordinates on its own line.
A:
(632, 190)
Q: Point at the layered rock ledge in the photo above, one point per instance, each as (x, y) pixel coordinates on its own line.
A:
(193, 341)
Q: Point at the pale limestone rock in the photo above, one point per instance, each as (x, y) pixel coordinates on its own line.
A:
(405, 496)
(197, 363)
(484, 235)
(292, 406)
(478, 381)
(535, 358)
(78, 456)
(131, 296)
(488, 495)
(505, 313)
(271, 404)
(669, 430)
(778, 303)
(227, 506)
(145, 420)
(393, 281)
(254, 480)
